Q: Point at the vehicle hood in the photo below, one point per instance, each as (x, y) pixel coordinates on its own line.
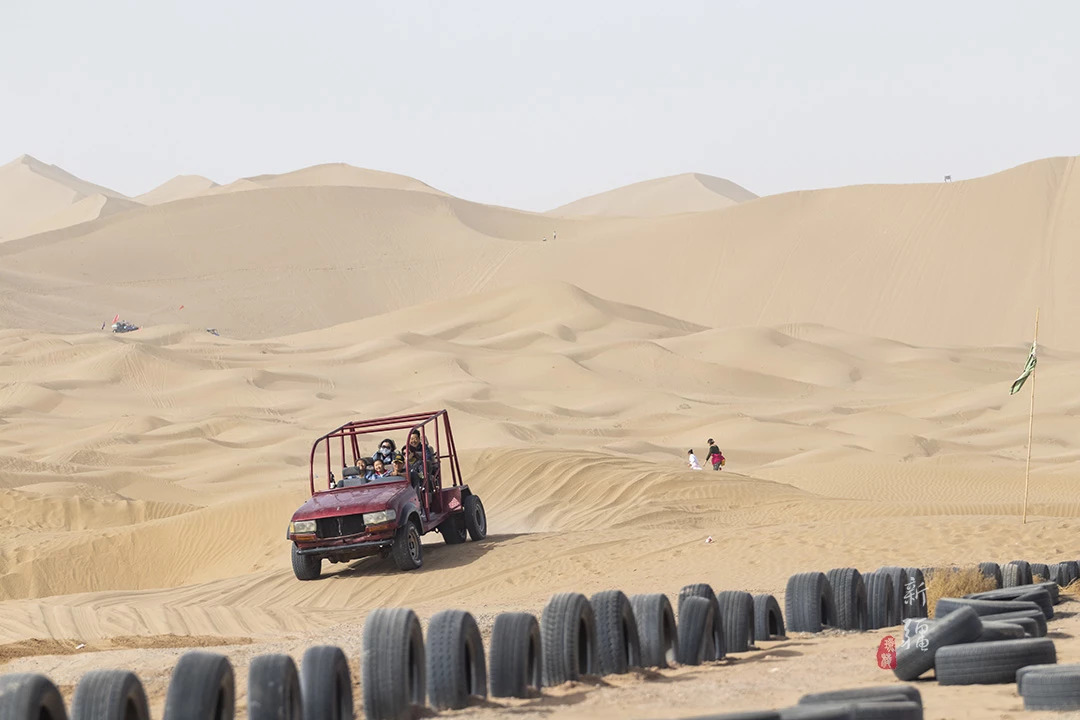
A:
(351, 500)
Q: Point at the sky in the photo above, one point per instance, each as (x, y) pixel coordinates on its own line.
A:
(533, 105)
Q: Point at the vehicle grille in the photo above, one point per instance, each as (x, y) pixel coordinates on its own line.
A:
(340, 526)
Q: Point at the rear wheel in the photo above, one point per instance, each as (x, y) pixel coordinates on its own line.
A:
(475, 518)
(407, 552)
(305, 567)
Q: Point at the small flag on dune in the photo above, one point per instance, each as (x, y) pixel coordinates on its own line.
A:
(1028, 369)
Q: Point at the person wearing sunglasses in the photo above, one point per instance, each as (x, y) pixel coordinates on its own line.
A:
(385, 452)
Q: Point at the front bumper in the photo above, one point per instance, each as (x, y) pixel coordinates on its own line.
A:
(347, 548)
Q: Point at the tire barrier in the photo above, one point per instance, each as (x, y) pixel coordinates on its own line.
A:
(991, 637)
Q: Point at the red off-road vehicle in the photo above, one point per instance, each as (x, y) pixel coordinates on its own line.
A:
(356, 515)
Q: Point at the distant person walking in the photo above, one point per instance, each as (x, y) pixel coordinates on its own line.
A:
(692, 461)
(715, 456)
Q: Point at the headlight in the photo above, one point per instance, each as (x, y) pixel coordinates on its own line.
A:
(302, 527)
(378, 518)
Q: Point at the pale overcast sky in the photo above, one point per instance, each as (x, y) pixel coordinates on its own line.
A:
(532, 105)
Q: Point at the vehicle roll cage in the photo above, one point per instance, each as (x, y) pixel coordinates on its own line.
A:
(414, 421)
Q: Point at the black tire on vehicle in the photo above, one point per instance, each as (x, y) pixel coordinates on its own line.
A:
(909, 693)
(657, 631)
(808, 602)
(326, 683)
(1033, 621)
(697, 617)
(768, 620)
(991, 570)
(618, 646)
(202, 687)
(393, 667)
(274, 689)
(704, 590)
(475, 518)
(914, 603)
(1049, 687)
(408, 550)
(962, 626)
(305, 567)
(991, 662)
(109, 695)
(849, 597)
(456, 666)
(29, 696)
(453, 529)
(880, 600)
(515, 669)
(982, 607)
(568, 638)
(1040, 570)
(1017, 572)
(736, 619)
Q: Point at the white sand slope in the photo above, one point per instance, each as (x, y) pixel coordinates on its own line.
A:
(690, 192)
(178, 188)
(36, 196)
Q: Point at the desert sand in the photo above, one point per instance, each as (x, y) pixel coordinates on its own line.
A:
(850, 349)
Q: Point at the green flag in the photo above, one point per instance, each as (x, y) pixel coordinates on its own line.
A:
(1028, 369)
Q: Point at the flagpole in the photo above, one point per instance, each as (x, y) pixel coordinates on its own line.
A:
(1031, 419)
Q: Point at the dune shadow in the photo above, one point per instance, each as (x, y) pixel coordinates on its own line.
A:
(437, 555)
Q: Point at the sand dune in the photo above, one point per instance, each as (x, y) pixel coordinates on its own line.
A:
(691, 192)
(178, 188)
(850, 349)
(36, 197)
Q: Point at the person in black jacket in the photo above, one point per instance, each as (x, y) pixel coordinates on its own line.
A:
(715, 456)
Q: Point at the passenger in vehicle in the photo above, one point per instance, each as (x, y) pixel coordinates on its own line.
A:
(378, 469)
(417, 448)
(399, 465)
(365, 468)
(385, 452)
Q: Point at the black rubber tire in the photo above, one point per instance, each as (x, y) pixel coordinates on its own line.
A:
(202, 687)
(1037, 620)
(962, 626)
(393, 668)
(516, 667)
(1017, 572)
(808, 602)
(914, 603)
(736, 619)
(982, 607)
(1049, 687)
(274, 689)
(1039, 570)
(704, 590)
(894, 707)
(326, 683)
(995, 631)
(1037, 594)
(305, 567)
(475, 518)
(991, 570)
(749, 715)
(568, 638)
(456, 666)
(899, 583)
(1040, 597)
(453, 529)
(880, 601)
(657, 631)
(909, 693)
(768, 620)
(29, 696)
(618, 646)
(849, 597)
(991, 662)
(697, 617)
(408, 550)
(108, 695)
(828, 711)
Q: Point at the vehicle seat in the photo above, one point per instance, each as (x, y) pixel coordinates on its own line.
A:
(350, 471)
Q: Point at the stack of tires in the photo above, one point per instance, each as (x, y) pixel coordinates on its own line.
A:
(845, 599)
(887, 702)
(402, 671)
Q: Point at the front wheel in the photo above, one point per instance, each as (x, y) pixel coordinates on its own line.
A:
(475, 518)
(407, 552)
(305, 567)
